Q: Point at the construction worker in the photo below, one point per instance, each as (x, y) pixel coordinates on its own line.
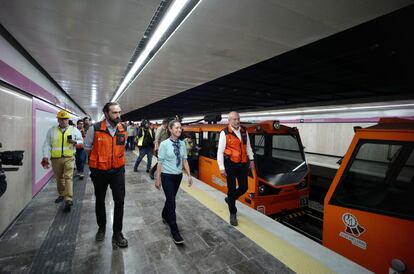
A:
(234, 158)
(145, 144)
(161, 134)
(59, 146)
(105, 144)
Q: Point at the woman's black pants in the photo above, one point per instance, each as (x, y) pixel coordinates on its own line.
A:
(170, 185)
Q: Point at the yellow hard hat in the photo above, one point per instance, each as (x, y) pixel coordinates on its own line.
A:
(62, 114)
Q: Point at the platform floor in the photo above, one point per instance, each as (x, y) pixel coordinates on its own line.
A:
(46, 239)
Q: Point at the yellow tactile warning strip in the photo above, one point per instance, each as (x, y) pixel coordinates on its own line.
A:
(278, 248)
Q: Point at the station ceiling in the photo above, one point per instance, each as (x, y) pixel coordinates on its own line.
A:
(226, 55)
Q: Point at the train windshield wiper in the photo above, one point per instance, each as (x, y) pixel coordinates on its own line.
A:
(296, 168)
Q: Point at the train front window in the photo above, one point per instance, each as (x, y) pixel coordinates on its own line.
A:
(286, 148)
(380, 179)
(279, 158)
(259, 144)
(209, 144)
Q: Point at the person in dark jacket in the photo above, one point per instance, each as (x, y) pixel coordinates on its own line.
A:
(145, 144)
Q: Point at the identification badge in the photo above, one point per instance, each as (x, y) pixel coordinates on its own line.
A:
(120, 139)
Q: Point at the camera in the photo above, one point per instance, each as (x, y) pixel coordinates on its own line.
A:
(14, 158)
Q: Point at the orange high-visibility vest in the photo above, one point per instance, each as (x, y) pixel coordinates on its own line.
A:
(108, 152)
(236, 148)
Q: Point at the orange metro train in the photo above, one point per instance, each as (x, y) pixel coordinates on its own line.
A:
(280, 180)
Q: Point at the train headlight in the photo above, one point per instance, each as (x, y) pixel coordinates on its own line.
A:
(276, 124)
(262, 189)
(251, 195)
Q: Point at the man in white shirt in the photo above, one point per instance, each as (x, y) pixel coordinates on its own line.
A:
(59, 145)
(234, 158)
(131, 136)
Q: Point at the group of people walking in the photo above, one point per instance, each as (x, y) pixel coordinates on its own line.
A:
(105, 143)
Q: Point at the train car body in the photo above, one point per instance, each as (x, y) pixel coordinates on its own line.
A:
(369, 208)
(280, 180)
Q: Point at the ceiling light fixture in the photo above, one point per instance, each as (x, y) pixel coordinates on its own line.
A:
(166, 22)
(337, 109)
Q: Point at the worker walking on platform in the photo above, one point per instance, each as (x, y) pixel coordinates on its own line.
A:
(59, 145)
(172, 157)
(131, 136)
(233, 155)
(80, 155)
(161, 134)
(86, 123)
(145, 144)
(105, 144)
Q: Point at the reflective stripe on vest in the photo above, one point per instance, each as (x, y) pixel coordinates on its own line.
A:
(141, 139)
(60, 145)
(236, 148)
(108, 152)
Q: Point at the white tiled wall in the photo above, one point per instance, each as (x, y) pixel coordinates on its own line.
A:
(327, 138)
(16, 134)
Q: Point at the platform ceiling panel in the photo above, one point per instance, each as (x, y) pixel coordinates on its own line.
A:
(221, 37)
(85, 45)
(366, 63)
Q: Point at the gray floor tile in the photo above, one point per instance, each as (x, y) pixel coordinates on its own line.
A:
(19, 263)
(211, 244)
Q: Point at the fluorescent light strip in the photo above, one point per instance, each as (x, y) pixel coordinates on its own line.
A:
(384, 106)
(16, 94)
(261, 114)
(324, 110)
(130, 83)
(166, 22)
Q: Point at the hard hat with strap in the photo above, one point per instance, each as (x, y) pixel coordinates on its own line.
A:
(63, 114)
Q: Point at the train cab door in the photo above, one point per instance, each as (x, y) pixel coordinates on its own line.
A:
(369, 209)
(195, 152)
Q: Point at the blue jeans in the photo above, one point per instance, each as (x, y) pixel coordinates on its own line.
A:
(130, 144)
(142, 152)
(80, 159)
(170, 185)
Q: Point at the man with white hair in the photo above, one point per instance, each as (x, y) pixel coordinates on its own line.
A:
(234, 158)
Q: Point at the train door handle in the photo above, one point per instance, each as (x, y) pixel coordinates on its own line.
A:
(397, 267)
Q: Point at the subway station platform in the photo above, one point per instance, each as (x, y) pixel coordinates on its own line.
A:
(46, 239)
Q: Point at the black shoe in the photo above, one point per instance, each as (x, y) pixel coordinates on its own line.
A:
(164, 221)
(178, 240)
(135, 170)
(59, 199)
(100, 235)
(147, 170)
(226, 200)
(81, 176)
(68, 205)
(119, 240)
(152, 176)
(233, 220)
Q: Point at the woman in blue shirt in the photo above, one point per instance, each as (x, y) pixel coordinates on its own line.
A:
(172, 157)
